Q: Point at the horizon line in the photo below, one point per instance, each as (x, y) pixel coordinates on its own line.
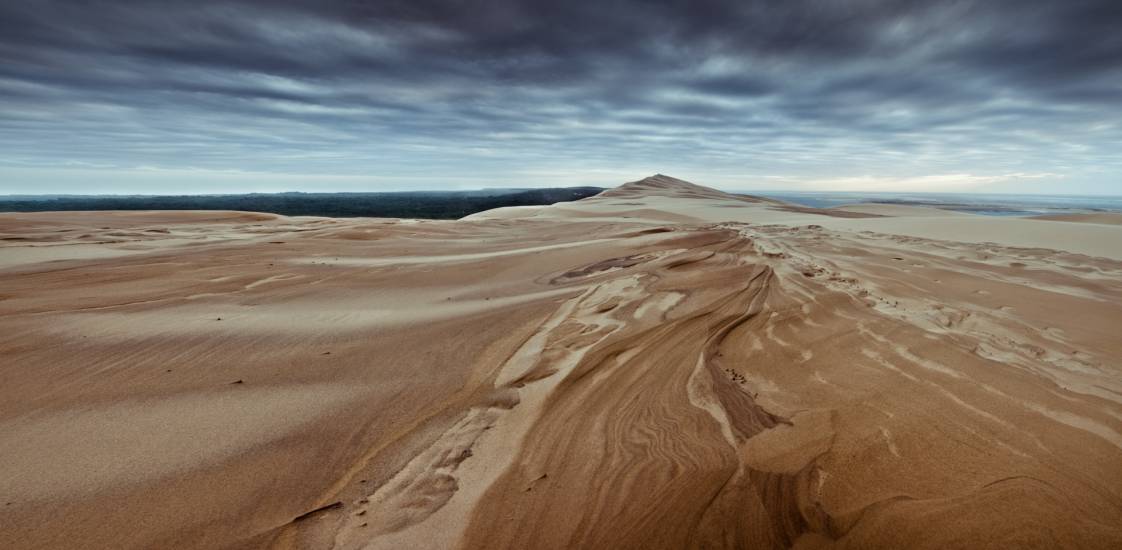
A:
(470, 190)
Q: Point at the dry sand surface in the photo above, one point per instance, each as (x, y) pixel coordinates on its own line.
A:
(1107, 218)
(662, 366)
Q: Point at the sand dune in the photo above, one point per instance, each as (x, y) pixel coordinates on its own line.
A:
(661, 366)
(649, 202)
(1106, 218)
(898, 210)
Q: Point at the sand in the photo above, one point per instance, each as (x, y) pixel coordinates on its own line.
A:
(898, 210)
(661, 366)
(1106, 218)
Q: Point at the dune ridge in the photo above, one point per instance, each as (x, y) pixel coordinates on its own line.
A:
(661, 366)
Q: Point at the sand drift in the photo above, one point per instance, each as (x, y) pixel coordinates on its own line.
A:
(661, 366)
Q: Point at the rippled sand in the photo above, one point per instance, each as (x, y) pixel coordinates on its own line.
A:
(662, 366)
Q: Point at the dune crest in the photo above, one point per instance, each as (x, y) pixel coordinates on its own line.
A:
(659, 185)
(663, 365)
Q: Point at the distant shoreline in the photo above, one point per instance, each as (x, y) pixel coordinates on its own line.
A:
(984, 204)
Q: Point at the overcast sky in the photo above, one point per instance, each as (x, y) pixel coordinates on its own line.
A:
(205, 96)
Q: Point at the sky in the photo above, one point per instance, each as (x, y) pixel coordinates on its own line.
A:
(209, 96)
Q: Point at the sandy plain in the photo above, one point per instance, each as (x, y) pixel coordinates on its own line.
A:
(662, 366)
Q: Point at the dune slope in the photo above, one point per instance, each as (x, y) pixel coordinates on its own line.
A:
(661, 366)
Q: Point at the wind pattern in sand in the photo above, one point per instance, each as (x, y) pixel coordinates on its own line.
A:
(662, 366)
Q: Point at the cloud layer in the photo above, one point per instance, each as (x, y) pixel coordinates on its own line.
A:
(418, 93)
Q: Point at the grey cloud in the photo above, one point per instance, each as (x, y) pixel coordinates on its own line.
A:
(354, 87)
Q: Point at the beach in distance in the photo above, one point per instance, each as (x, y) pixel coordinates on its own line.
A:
(659, 365)
(974, 203)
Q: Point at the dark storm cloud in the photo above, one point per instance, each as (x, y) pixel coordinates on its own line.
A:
(352, 87)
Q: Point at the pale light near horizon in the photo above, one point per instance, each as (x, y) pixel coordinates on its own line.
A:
(1009, 96)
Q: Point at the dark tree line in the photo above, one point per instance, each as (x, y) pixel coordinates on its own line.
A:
(428, 204)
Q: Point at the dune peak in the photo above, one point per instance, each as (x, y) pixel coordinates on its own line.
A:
(663, 185)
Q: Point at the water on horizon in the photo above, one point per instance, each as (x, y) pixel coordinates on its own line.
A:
(976, 203)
